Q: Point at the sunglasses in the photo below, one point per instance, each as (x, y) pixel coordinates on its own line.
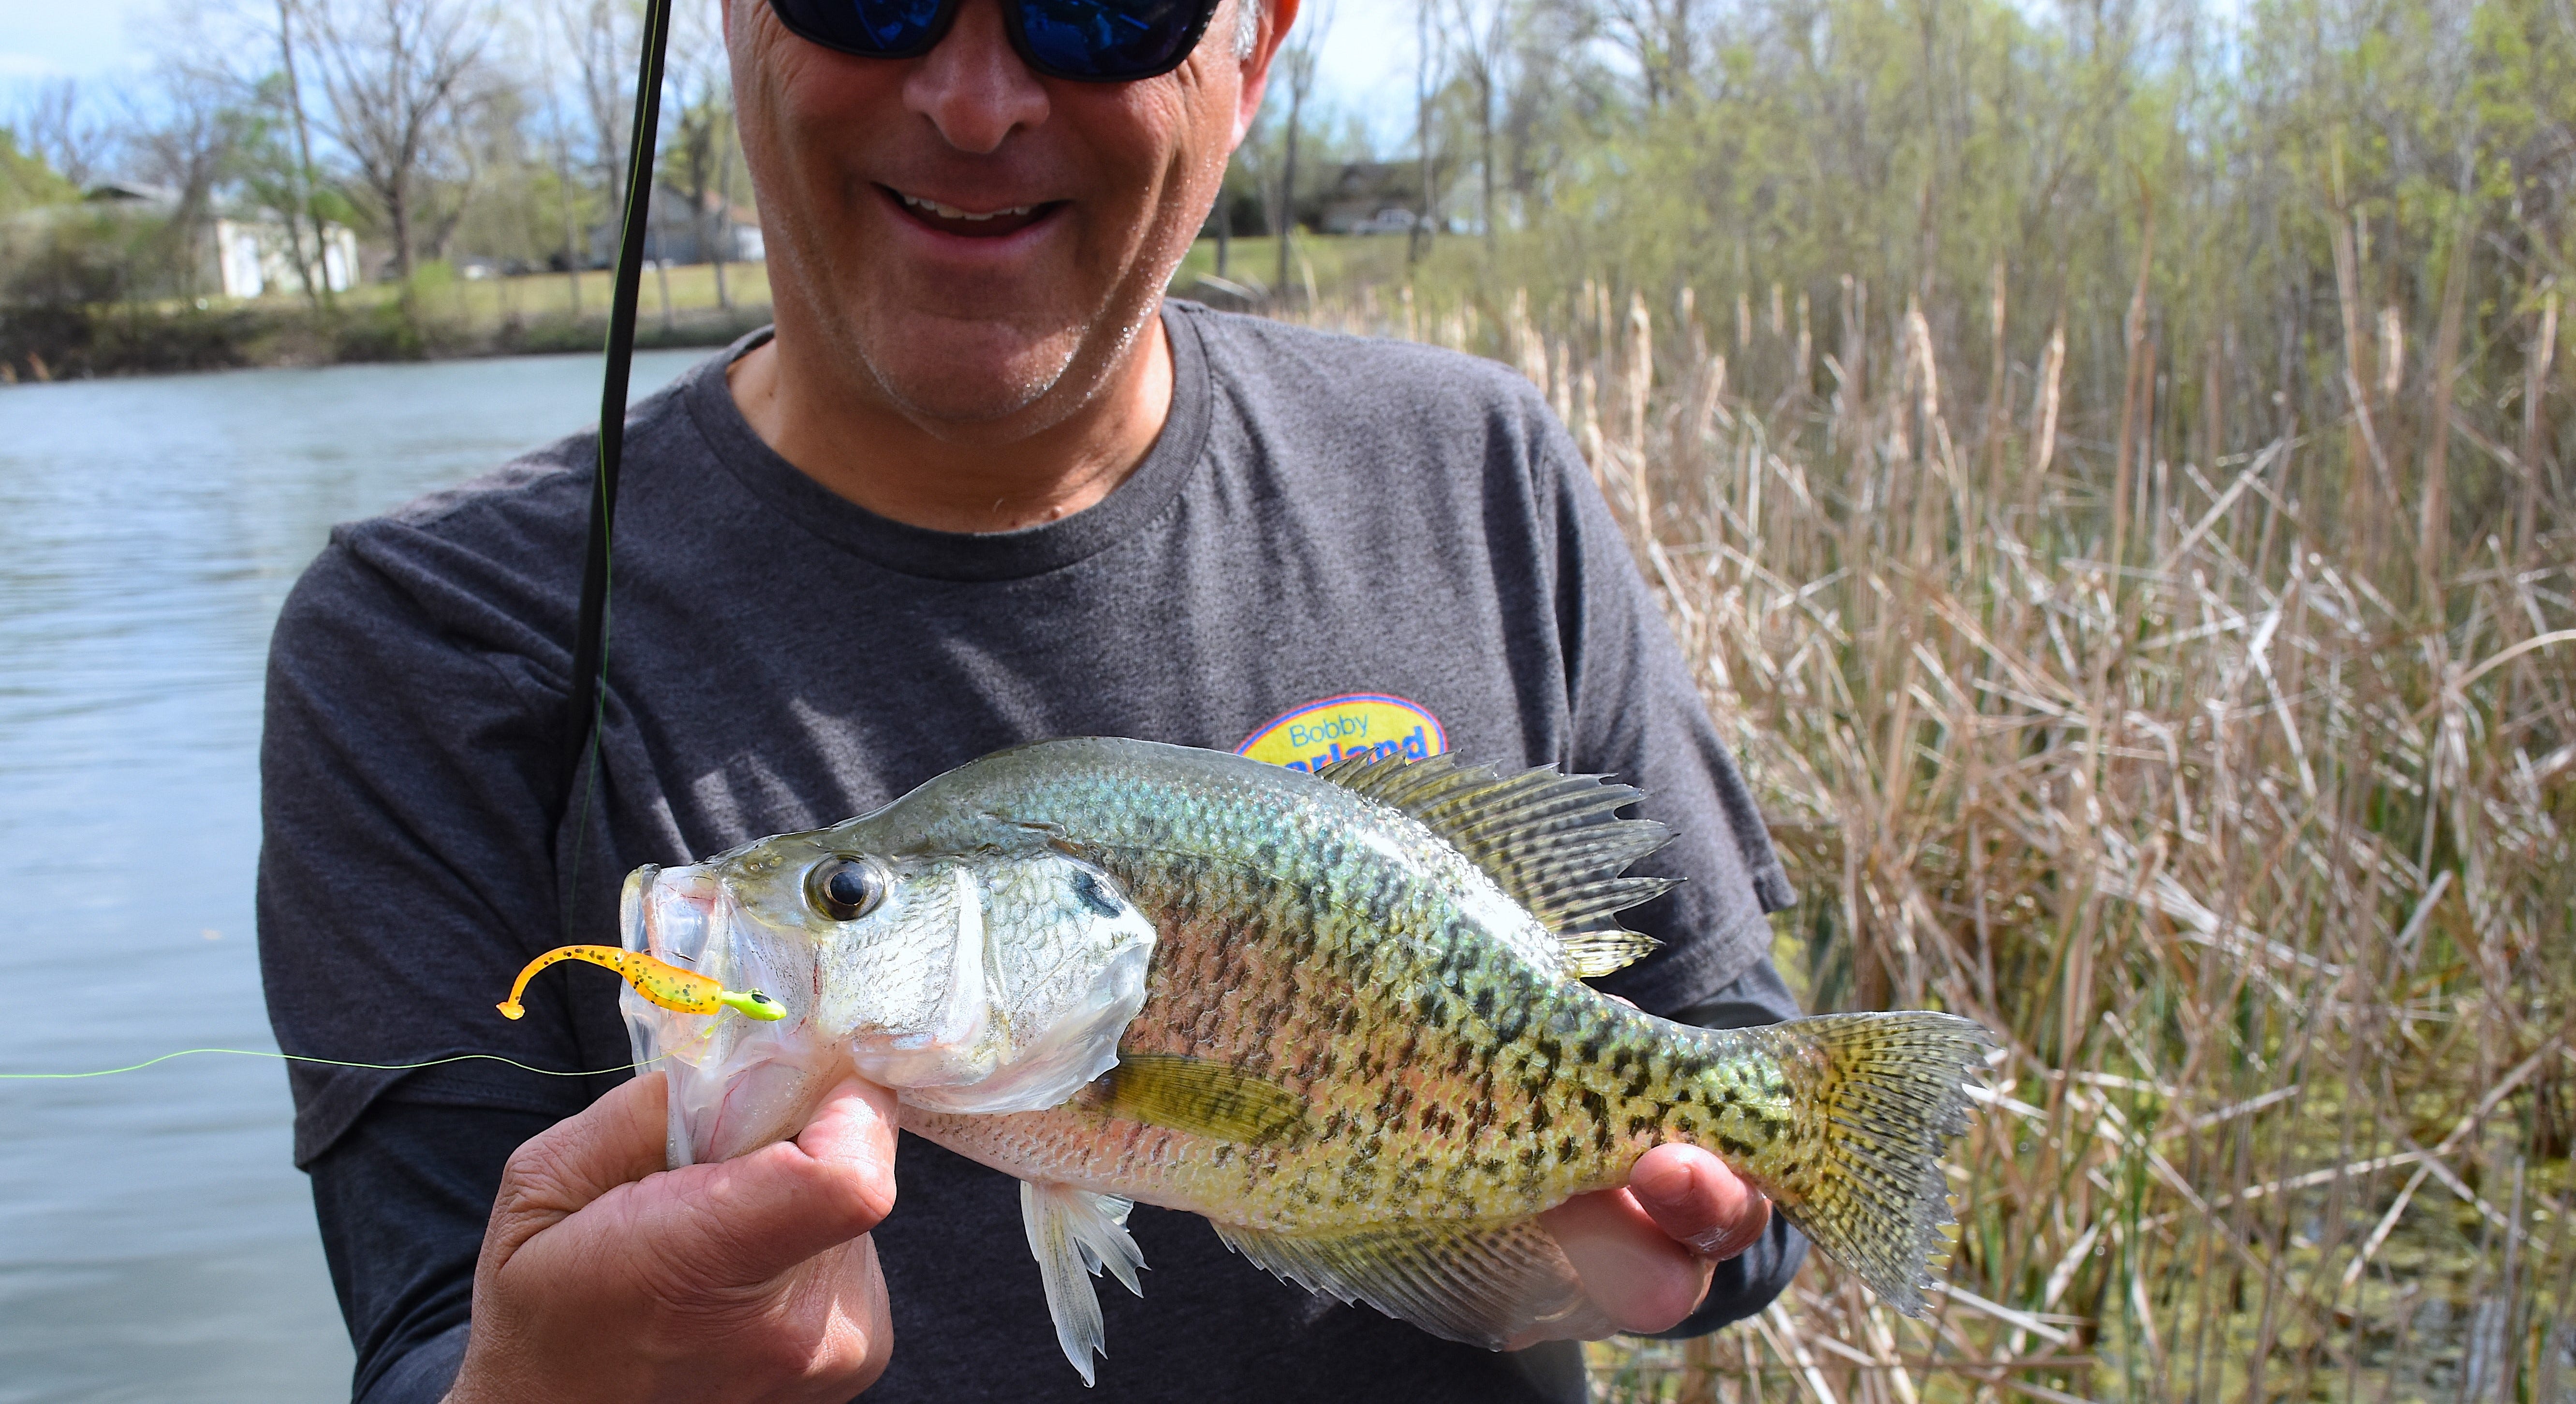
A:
(1087, 41)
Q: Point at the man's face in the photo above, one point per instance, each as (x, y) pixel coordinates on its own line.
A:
(971, 243)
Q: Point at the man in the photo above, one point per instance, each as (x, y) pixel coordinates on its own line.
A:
(981, 486)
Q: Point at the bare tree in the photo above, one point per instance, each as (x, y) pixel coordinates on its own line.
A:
(302, 218)
(1478, 33)
(551, 77)
(392, 69)
(60, 125)
(184, 141)
(604, 36)
(701, 77)
(1659, 37)
(1305, 45)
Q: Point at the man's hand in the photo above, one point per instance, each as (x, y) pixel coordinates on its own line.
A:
(1646, 1251)
(753, 1279)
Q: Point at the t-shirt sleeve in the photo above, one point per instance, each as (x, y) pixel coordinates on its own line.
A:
(405, 873)
(407, 793)
(1637, 716)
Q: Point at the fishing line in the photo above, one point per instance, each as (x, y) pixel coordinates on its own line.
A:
(332, 1063)
(590, 640)
(659, 982)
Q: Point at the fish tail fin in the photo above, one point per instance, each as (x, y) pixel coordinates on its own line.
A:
(1874, 1099)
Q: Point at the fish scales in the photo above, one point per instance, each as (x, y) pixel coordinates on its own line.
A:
(1324, 1012)
(1292, 950)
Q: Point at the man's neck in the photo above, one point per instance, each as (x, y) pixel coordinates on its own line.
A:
(884, 461)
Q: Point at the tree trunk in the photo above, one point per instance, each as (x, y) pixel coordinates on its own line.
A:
(316, 292)
(1288, 187)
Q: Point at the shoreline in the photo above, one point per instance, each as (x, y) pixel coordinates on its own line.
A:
(116, 342)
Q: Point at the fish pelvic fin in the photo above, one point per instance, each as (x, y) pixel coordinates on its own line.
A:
(1074, 1234)
(1199, 1096)
(1553, 842)
(1482, 1284)
(1874, 1101)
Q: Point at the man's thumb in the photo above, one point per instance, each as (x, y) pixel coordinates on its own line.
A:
(785, 1203)
(614, 1141)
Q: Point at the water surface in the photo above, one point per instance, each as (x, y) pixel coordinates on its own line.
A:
(155, 1241)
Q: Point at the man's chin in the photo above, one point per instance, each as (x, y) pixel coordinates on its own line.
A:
(974, 381)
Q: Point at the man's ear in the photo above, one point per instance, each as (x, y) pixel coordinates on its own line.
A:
(1276, 17)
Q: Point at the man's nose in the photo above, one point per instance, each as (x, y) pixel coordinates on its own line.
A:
(973, 86)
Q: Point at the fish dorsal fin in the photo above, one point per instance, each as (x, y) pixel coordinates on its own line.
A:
(1200, 1096)
(1074, 1234)
(1484, 1284)
(1553, 842)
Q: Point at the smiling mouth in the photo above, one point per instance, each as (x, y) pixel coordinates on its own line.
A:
(970, 224)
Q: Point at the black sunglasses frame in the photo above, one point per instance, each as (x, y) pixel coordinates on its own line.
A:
(1015, 25)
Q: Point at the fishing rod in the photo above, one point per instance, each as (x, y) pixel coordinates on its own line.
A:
(580, 763)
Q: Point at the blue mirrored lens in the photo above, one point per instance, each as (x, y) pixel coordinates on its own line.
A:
(890, 27)
(1107, 38)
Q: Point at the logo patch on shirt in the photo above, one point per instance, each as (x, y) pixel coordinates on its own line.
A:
(1357, 723)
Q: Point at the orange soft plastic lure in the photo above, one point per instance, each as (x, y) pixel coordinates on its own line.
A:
(657, 980)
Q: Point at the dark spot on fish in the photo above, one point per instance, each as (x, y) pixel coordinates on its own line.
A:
(1539, 1118)
(1639, 1125)
(1086, 889)
(1432, 1008)
(1484, 1005)
(1530, 1155)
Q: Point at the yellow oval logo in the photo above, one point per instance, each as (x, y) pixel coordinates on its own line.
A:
(1358, 723)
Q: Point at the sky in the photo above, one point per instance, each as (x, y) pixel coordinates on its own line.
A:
(1366, 66)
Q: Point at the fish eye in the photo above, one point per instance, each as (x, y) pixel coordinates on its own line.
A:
(845, 888)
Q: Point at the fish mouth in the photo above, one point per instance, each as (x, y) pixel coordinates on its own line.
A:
(735, 1085)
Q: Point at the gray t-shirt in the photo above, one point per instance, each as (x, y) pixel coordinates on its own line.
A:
(1330, 537)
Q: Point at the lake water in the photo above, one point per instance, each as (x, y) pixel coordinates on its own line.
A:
(155, 1241)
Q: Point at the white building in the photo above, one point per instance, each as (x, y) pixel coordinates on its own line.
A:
(254, 256)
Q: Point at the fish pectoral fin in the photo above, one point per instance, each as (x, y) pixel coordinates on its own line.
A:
(1202, 1097)
(1483, 1284)
(1074, 1234)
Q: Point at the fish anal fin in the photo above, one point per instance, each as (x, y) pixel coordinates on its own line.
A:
(1074, 1234)
(1199, 1096)
(1484, 1284)
(1554, 843)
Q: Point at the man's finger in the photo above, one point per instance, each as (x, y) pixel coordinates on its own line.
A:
(1695, 1199)
(746, 1220)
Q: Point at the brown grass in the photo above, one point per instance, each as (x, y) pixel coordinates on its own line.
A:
(2234, 790)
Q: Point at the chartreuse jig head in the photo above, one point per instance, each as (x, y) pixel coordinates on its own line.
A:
(657, 980)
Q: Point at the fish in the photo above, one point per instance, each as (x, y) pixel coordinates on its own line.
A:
(1340, 1015)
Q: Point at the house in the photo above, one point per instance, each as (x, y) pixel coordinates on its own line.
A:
(244, 253)
(1367, 197)
(672, 234)
(254, 256)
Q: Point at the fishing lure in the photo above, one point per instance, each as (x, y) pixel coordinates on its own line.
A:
(665, 984)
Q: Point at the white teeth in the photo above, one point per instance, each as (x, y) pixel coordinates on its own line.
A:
(952, 212)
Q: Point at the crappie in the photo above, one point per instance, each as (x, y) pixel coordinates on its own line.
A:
(1340, 1015)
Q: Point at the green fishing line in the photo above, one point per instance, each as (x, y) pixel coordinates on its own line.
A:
(326, 1062)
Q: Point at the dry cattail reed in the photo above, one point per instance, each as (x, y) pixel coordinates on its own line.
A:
(2263, 872)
